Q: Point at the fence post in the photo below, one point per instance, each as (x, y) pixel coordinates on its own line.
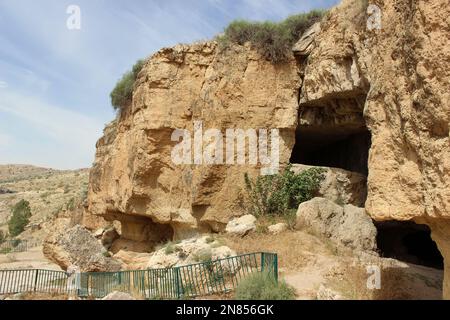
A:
(263, 261)
(177, 282)
(275, 266)
(36, 279)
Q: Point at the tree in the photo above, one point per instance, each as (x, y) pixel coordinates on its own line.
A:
(20, 217)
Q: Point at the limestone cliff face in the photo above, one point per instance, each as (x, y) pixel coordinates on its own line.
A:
(393, 80)
(403, 70)
(134, 179)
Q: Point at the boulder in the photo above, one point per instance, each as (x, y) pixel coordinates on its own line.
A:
(77, 246)
(242, 225)
(347, 226)
(277, 228)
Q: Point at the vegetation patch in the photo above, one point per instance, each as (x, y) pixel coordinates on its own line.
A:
(123, 91)
(263, 286)
(272, 40)
(20, 217)
(204, 255)
(280, 194)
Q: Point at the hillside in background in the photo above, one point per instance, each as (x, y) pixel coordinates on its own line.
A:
(48, 191)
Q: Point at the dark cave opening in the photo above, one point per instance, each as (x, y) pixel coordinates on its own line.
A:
(340, 147)
(408, 242)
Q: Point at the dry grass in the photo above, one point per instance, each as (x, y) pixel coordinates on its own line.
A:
(295, 248)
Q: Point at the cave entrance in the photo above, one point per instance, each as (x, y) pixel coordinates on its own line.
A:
(338, 148)
(408, 242)
(333, 136)
(138, 233)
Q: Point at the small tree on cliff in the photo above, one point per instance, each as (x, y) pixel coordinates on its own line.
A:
(20, 217)
(123, 91)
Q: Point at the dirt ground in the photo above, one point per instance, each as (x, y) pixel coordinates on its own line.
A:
(32, 259)
(308, 263)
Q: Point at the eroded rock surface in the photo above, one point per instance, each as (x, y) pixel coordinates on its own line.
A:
(77, 246)
(347, 226)
(401, 68)
(385, 89)
(134, 177)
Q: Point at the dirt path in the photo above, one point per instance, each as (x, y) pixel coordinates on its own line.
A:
(32, 259)
(308, 280)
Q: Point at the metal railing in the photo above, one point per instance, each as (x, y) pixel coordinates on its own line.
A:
(200, 279)
(8, 246)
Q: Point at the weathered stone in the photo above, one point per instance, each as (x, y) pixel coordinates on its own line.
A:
(134, 175)
(348, 226)
(402, 69)
(304, 46)
(393, 80)
(242, 225)
(77, 246)
(277, 228)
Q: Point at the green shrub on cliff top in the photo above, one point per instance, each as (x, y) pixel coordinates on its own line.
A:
(123, 91)
(272, 40)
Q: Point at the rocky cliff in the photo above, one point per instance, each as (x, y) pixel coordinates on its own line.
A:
(134, 179)
(369, 99)
(402, 69)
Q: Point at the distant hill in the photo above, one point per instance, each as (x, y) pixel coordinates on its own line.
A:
(48, 191)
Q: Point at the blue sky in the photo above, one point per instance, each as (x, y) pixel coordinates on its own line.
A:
(55, 82)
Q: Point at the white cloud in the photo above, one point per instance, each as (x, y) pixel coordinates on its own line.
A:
(79, 132)
(3, 85)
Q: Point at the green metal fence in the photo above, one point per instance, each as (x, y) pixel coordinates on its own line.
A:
(8, 246)
(187, 281)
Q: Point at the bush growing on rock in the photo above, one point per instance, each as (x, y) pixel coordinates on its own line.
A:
(20, 217)
(280, 194)
(262, 286)
(123, 91)
(272, 40)
(2, 236)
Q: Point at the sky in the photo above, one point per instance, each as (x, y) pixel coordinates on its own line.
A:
(55, 81)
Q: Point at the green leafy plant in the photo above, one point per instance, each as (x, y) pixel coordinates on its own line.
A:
(263, 286)
(170, 248)
(123, 91)
(20, 217)
(203, 255)
(272, 40)
(281, 193)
